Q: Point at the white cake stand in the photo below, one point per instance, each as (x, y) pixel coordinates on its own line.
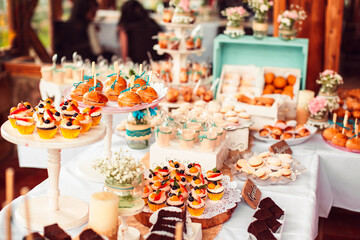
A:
(109, 110)
(125, 232)
(67, 211)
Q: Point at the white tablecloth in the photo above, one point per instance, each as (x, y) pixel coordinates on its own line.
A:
(299, 198)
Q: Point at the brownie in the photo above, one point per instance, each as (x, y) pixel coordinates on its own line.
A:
(265, 235)
(276, 211)
(35, 236)
(273, 224)
(156, 236)
(164, 213)
(262, 214)
(54, 232)
(257, 227)
(90, 234)
(163, 227)
(266, 203)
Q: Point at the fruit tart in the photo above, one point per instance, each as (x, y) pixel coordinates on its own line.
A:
(129, 99)
(25, 125)
(213, 175)
(70, 128)
(176, 201)
(178, 176)
(95, 98)
(44, 104)
(69, 108)
(46, 128)
(53, 115)
(154, 177)
(195, 205)
(85, 121)
(95, 114)
(215, 191)
(147, 94)
(156, 200)
(192, 170)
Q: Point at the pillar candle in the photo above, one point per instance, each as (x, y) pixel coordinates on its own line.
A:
(302, 114)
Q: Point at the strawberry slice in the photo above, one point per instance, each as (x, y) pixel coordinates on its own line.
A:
(24, 119)
(197, 166)
(94, 110)
(213, 175)
(171, 163)
(183, 188)
(50, 114)
(21, 105)
(198, 198)
(19, 110)
(201, 177)
(75, 108)
(158, 195)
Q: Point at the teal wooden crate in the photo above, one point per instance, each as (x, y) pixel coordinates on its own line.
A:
(268, 52)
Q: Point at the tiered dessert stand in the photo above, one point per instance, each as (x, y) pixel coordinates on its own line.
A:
(179, 56)
(67, 211)
(109, 110)
(126, 232)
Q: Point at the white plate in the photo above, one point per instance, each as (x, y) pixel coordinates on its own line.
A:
(290, 142)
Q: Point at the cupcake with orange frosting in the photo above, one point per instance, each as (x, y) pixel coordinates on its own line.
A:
(70, 128)
(174, 165)
(195, 205)
(192, 170)
(156, 200)
(46, 128)
(85, 121)
(25, 125)
(200, 191)
(215, 191)
(163, 185)
(177, 188)
(175, 201)
(95, 114)
(147, 191)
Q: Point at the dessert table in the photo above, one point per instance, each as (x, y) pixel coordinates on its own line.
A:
(301, 198)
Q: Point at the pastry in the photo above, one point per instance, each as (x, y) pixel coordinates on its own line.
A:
(53, 115)
(163, 185)
(34, 236)
(261, 173)
(172, 95)
(146, 192)
(90, 82)
(154, 177)
(247, 169)
(44, 104)
(266, 203)
(275, 136)
(111, 79)
(213, 175)
(174, 165)
(95, 114)
(70, 128)
(112, 92)
(89, 234)
(95, 98)
(269, 77)
(177, 188)
(195, 205)
(175, 201)
(272, 224)
(156, 200)
(129, 99)
(304, 132)
(353, 144)
(25, 125)
(198, 181)
(192, 170)
(55, 232)
(289, 129)
(215, 191)
(147, 94)
(47, 128)
(163, 171)
(274, 163)
(240, 164)
(138, 83)
(256, 162)
(276, 211)
(339, 139)
(78, 91)
(265, 154)
(22, 110)
(244, 116)
(280, 124)
(69, 108)
(262, 214)
(277, 131)
(285, 172)
(85, 121)
(257, 227)
(286, 136)
(179, 177)
(275, 174)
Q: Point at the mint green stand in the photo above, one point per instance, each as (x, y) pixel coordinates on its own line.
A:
(268, 52)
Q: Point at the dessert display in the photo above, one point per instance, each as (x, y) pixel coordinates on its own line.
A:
(46, 121)
(268, 221)
(268, 168)
(289, 131)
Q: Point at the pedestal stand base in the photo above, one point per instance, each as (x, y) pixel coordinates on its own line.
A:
(130, 234)
(88, 172)
(72, 213)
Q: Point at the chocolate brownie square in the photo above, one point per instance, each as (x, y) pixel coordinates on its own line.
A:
(276, 211)
(265, 235)
(262, 214)
(273, 224)
(89, 234)
(266, 203)
(54, 232)
(35, 236)
(257, 227)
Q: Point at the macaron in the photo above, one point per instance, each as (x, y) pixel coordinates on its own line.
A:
(260, 173)
(256, 162)
(265, 154)
(275, 174)
(244, 116)
(239, 109)
(285, 172)
(247, 169)
(266, 169)
(232, 119)
(241, 163)
(230, 114)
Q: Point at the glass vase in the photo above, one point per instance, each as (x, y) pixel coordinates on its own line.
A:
(287, 34)
(138, 131)
(234, 29)
(260, 27)
(129, 193)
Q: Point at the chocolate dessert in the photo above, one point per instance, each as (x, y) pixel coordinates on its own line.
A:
(159, 236)
(257, 227)
(266, 203)
(265, 235)
(35, 236)
(54, 232)
(262, 214)
(273, 224)
(276, 211)
(89, 234)
(163, 227)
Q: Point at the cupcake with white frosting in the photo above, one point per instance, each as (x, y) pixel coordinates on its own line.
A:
(195, 205)
(46, 128)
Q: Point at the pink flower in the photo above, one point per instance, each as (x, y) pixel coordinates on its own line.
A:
(271, 3)
(328, 72)
(184, 4)
(317, 104)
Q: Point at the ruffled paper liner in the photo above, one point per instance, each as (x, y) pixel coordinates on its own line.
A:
(155, 207)
(85, 127)
(26, 130)
(215, 196)
(46, 133)
(69, 133)
(96, 120)
(196, 212)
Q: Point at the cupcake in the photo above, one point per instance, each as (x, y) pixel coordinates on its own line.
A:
(69, 108)
(175, 201)
(215, 191)
(173, 165)
(180, 177)
(213, 175)
(163, 185)
(195, 205)
(95, 114)
(70, 128)
(164, 172)
(22, 110)
(192, 170)
(46, 128)
(43, 105)
(53, 115)
(154, 177)
(85, 121)
(156, 200)
(177, 188)
(199, 191)
(147, 191)
(198, 180)
(25, 125)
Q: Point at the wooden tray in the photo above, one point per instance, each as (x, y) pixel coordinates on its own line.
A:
(144, 217)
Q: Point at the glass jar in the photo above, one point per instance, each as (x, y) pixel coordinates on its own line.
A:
(138, 130)
(234, 28)
(129, 193)
(260, 27)
(287, 34)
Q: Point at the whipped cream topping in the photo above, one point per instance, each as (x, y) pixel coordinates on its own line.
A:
(183, 193)
(202, 194)
(68, 113)
(96, 114)
(24, 123)
(46, 116)
(201, 204)
(218, 178)
(72, 127)
(217, 189)
(87, 120)
(161, 200)
(41, 124)
(187, 171)
(174, 203)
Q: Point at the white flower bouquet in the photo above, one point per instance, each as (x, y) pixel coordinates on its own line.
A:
(235, 13)
(290, 18)
(260, 7)
(329, 81)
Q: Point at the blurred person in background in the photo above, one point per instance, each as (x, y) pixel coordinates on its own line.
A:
(136, 29)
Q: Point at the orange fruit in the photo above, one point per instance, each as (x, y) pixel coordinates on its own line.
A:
(288, 93)
(291, 79)
(196, 202)
(193, 170)
(269, 86)
(269, 77)
(211, 186)
(197, 191)
(197, 181)
(279, 82)
(267, 91)
(288, 89)
(174, 198)
(278, 91)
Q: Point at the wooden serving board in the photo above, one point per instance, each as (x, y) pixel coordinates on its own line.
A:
(144, 217)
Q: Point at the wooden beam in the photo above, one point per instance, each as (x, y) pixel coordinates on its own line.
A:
(23, 69)
(279, 7)
(333, 33)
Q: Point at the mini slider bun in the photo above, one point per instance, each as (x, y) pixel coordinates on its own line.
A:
(90, 83)
(110, 80)
(329, 133)
(339, 139)
(95, 98)
(353, 144)
(77, 93)
(129, 99)
(147, 94)
(139, 81)
(113, 94)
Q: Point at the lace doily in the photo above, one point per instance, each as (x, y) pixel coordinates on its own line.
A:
(231, 196)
